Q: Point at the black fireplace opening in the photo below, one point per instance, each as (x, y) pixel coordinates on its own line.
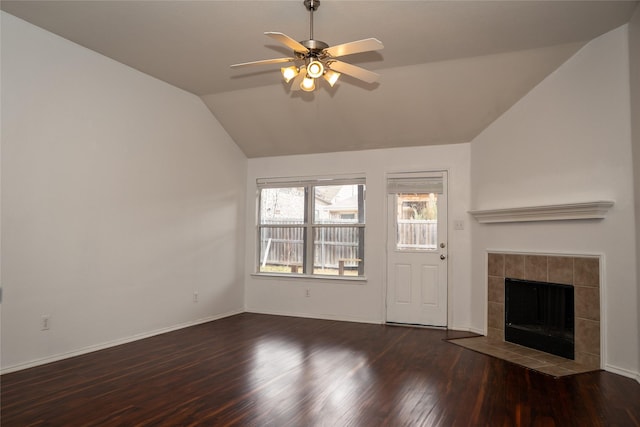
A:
(540, 315)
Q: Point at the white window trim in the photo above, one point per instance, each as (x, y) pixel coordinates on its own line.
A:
(309, 223)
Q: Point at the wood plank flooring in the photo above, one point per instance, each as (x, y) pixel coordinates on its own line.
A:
(259, 370)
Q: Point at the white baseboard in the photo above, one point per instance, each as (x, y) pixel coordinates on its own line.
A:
(624, 372)
(102, 346)
(477, 331)
(458, 328)
(316, 316)
(348, 319)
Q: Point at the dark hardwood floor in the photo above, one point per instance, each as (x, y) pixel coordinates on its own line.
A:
(259, 370)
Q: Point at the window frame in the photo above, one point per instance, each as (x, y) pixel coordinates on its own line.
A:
(310, 223)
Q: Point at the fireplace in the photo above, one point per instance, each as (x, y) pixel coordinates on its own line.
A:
(540, 315)
(581, 272)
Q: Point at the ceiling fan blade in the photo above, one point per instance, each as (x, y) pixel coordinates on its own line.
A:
(295, 83)
(264, 62)
(354, 71)
(287, 41)
(350, 48)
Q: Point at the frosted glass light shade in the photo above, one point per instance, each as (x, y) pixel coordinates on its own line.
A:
(289, 73)
(308, 84)
(331, 77)
(315, 69)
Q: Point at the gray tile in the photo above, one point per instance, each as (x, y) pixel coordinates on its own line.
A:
(496, 289)
(590, 360)
(528, 362)
(587, 336)
(586, 272)
(587, 302)
(535, 268)
(529, 358)
(495, 315)
(555, 370)
(496, 265)
(514, 266)
(561, 270)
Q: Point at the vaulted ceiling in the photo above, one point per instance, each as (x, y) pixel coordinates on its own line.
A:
(448, 68)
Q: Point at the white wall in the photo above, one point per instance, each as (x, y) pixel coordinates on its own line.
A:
(634, 52)
(568, 140)
(357, 301)
(121, 196)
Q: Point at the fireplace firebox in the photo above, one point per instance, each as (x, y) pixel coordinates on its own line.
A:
(540, 315)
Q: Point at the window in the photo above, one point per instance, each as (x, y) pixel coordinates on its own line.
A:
(312, 227)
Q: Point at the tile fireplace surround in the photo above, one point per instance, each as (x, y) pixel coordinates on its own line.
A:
(581, 272)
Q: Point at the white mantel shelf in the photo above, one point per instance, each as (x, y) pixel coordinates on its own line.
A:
(563, 212)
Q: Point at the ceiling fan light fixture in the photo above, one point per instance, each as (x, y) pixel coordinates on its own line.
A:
(331, 77)
(315, 69)
(314, 57)
(289, 73)
(308, 84)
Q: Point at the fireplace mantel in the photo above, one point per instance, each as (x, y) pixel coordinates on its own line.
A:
(561, 212)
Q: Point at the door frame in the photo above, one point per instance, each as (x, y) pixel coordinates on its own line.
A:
(385, 266)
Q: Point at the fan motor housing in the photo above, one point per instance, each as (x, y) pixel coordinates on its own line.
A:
(315, 46)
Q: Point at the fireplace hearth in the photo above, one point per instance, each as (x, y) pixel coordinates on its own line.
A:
(540, 315)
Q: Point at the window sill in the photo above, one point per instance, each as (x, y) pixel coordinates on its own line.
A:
(357, 279)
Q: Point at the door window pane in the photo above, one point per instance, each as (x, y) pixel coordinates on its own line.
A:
(416, 221)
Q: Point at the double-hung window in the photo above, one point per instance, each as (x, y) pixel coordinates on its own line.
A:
(311, 227)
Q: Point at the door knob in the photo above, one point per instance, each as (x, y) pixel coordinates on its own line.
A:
(442, 257)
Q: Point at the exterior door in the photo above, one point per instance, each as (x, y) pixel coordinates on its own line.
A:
(417, 249)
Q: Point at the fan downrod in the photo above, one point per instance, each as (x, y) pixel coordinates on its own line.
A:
(315, 46)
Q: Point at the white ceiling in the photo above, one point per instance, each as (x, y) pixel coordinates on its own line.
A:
(448, 69)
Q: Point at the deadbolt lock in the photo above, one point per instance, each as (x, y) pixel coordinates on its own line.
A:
(442, 245)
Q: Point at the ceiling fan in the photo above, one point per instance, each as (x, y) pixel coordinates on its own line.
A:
(314, 58)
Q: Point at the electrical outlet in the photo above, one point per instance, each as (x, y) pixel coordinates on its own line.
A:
(45, 322)
(195, 296)
(458, 224)
(307, 293)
